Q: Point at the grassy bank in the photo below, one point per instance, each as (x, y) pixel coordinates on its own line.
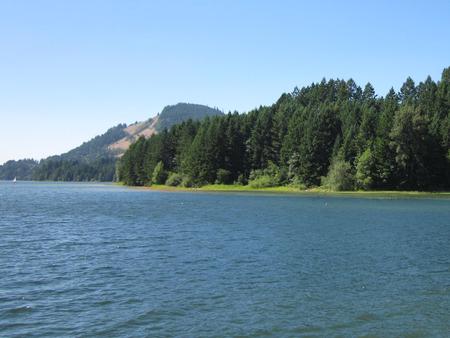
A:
(293, 190)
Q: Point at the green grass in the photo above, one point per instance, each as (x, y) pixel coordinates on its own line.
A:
(294, 190)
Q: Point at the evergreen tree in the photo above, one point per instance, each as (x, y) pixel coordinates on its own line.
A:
(400, 141)
(408, 92)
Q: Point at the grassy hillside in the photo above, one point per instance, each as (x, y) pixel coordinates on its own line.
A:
(170, 116)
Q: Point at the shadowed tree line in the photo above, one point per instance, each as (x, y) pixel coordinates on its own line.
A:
(21, 169)
(333, 133)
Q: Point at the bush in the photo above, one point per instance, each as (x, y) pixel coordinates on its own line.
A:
(254, 174)
(339, 177)
(174, 179)
(269, 177)
(262, 181)
(187, 182)
(297, 183)
(223, 177)
(241, 180)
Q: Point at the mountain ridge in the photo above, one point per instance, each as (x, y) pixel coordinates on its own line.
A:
(95, 159)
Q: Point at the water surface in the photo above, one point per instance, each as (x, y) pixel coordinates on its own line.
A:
(88, 260)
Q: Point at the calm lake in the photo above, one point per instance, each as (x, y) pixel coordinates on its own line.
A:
(100, 260)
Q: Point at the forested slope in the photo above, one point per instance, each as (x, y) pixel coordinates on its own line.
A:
(90, 161)
(180, 112)
(333, 133)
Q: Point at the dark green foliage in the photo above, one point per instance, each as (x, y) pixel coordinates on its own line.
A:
(174, 180)
(22, 170)
(261, 147)
(180, 112)
(400, 141)
(223, 177)
(419, 156)
(55, 169)
(408, 92)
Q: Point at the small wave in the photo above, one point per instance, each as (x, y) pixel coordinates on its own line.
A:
(104, 302)
(131, 301)
(19, 310)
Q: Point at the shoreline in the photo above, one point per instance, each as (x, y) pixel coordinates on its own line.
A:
(281, 190)
(295, 191)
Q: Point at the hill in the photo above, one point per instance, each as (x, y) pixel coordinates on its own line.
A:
(98, 146)
(96, 158)
(170, 116)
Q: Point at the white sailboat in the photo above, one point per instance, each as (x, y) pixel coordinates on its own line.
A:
(15, 180)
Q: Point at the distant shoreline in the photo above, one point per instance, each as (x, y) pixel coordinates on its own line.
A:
(286, 190)
(295, 191)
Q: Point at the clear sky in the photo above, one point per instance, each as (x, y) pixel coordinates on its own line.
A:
(69, 70)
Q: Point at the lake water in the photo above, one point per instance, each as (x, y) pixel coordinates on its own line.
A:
(87, 260)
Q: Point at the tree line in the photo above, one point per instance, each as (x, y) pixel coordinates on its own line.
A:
(91, 161)
(75, 170)
(333, 133)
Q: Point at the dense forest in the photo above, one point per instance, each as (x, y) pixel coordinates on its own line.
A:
(92, 161)
(333, 133)
(57, 169)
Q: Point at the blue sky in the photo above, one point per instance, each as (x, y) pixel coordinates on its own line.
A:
(71, 69)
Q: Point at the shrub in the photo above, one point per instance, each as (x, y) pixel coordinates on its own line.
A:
(339, 176)
(296, 182)
(254, 174)
(223, 177)
(174, 179)
(269, 177)
(263, 181)
(241, 180)
(187, 182)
